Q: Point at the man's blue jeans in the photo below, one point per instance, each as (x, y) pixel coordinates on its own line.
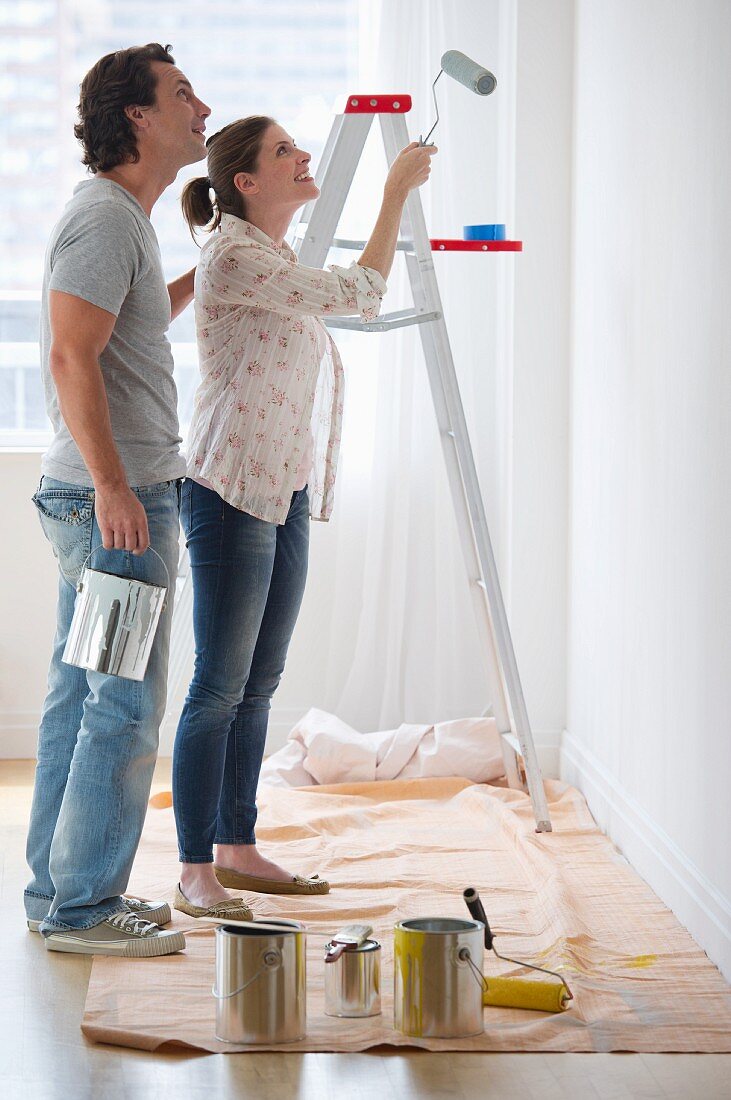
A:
(98, 735)
(248, 581)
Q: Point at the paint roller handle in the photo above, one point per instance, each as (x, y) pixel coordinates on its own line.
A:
(472, 900)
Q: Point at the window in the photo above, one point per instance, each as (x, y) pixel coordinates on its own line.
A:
(287, 58)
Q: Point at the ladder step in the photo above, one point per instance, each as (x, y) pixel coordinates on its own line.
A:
(345, 242)
(300, 233)
(384, 323)
(514, 743)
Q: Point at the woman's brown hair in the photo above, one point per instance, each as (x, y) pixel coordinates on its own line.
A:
(121, 79)
(233, 149)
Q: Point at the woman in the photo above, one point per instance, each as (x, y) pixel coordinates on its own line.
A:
(262, 459)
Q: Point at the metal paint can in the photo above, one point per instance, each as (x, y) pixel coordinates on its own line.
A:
(114, 622)
(353, 981)
(438, 977)
(260, 985)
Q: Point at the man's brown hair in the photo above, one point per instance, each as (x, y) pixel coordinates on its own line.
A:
(118, 80)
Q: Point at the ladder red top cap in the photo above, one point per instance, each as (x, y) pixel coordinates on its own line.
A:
(377, 104)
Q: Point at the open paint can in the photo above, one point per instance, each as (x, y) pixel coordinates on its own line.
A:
(114, 622)
(436, 994)
(260, 985)
(353, 981)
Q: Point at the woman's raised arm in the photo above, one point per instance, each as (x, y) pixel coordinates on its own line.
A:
(410, 169)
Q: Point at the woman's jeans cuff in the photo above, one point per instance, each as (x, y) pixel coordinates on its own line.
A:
(190, 857)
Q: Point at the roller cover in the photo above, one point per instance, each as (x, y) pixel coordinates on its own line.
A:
(523, 993)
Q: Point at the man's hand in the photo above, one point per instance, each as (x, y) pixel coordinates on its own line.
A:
(122, 520)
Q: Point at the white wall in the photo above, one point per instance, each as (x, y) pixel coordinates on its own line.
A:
(536, 585)
(650, 596)
(27, 605)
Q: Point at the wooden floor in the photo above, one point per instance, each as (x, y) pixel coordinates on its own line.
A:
(44, 1055)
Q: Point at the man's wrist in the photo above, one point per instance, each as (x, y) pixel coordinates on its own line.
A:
(110, 484)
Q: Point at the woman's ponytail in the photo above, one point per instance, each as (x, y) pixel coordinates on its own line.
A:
(233, 149)
(198, 208)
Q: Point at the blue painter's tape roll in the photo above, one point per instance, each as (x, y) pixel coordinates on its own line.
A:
(494, 232)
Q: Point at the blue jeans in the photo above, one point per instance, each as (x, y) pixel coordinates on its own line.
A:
(98, 735)
(248, 581)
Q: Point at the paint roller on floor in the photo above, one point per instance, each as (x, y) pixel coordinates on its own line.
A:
(544, 996)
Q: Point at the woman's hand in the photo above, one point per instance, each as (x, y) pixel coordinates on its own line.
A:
(410, 169)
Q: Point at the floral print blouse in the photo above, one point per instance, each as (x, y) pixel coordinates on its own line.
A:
(271, 377)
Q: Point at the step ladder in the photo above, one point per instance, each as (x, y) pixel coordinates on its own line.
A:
(315, 235)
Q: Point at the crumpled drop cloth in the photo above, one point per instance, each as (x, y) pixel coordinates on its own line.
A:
(408, 848)
(323, 749)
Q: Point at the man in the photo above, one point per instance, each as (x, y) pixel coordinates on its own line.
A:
(110, 487)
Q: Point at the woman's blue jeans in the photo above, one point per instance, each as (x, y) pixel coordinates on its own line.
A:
(248, 581)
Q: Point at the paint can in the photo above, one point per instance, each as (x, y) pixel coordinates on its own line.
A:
(353, 981)
(114, 622)
(437, 977)
(260, 985)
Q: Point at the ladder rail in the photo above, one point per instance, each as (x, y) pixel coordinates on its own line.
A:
(321, 216)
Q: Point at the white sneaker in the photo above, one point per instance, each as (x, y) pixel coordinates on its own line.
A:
(156, 912)
(124, 934)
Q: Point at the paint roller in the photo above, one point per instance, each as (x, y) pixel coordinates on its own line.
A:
(465, 71)
(544, 996)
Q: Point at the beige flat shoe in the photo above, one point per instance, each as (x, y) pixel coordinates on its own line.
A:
(234, 909)
(237, 880)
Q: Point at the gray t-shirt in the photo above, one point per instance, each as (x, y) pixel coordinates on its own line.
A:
(103, 249)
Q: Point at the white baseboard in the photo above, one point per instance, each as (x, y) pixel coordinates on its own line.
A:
(676, 880)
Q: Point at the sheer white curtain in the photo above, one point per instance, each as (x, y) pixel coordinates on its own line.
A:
(397, 635)
(387, 632)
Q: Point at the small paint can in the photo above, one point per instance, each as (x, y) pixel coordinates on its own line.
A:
(437, 977)
(114, 622)
(353, 981)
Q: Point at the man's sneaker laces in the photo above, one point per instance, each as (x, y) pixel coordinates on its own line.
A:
(132, 924)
